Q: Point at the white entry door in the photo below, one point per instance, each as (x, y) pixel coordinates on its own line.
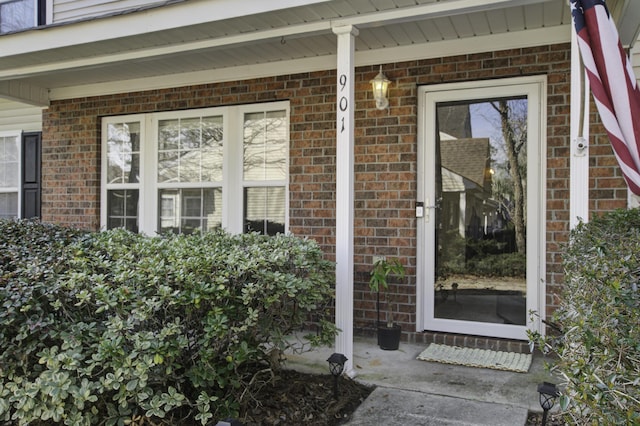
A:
(481, 236)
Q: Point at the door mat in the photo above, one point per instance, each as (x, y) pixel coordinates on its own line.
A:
(483, 358)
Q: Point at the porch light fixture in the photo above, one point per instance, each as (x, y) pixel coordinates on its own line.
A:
(548, 394)
(336, 367)
(380, 86)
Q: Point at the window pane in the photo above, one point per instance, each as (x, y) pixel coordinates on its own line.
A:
(190, 150)
(8, 205)
(481, 156)
(9, 157)
(12, 174)
(212, 218)
(122, 209)
(190, 134)
(190, 166)
(115, 222)
(169, 210)
(192, 202)
(190, 210)
(131, 224)
(10, 148)
(265, 146)
(212, 165)
(123, 153)
(168, 163)
(168, 133)
(212, 134)
(264, 210)
(189, 226)
(17, 15)
(116, 203)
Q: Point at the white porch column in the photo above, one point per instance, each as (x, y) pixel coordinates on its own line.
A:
(579, 134)
(344, 192)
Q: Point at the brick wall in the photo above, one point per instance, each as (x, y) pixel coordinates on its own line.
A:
(70, 165)
(385, 155)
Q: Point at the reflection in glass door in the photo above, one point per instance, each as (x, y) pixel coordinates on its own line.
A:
(480, 248)
(482, 233)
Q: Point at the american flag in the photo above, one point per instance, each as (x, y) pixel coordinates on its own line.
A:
(613, 83)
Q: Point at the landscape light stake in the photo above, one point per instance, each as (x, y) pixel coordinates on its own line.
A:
(548, 394)
(336, 366)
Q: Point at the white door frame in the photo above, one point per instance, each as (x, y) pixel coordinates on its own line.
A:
(535, 88)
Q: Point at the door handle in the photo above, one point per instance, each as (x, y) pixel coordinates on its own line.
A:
(436, 205)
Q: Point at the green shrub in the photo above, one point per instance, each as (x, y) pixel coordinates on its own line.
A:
(499, 265)
(114, 328)
(482, 257)
(599, 316)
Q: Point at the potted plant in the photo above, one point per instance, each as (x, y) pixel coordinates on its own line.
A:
(388, 332)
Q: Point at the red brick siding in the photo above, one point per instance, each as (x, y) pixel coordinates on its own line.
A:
(70, 165)
(385, 157)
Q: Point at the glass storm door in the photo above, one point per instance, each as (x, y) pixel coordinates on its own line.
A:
(482, 204)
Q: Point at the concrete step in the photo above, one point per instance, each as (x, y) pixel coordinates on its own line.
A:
(388, 406)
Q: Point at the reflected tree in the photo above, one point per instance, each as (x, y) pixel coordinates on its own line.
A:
(511, 192)
(265, 146)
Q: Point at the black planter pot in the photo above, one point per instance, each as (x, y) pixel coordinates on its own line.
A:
(389, 337)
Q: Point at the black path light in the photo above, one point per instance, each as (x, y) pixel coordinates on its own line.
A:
(548, 394)
(336, 366)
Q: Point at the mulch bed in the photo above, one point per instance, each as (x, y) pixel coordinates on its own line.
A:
(304, 399)
(296, 398)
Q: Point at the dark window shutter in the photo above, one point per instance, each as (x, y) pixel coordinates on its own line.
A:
(31, 174)
(42, 12)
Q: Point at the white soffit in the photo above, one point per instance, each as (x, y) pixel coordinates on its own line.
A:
(626, 14)
(629, 23)
(24, 92)
(372, 57)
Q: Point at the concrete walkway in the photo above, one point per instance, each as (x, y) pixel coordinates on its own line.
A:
(413, 392)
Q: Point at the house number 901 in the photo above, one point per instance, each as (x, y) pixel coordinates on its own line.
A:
(343, 103)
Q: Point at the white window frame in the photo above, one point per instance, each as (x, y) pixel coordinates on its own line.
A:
(149, 215)
(237, 171)
(232, 183)
(18, 188)
(104, 185)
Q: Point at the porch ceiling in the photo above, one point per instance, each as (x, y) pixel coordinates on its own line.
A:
(257, 44)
